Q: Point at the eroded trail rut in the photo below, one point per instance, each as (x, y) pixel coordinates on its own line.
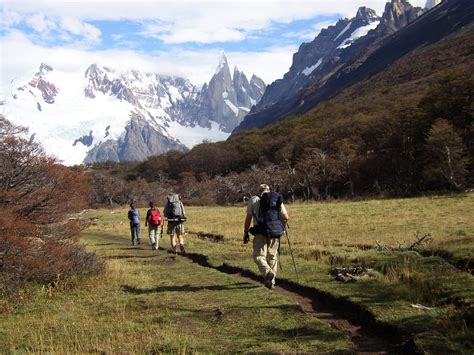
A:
(367, 335)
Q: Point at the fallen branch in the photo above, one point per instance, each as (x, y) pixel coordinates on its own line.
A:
(424, 239)
(427, 238)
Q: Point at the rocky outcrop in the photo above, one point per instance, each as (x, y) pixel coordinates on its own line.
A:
(98, 80)
(431, 3)
(86, 140)
(47, 89)
(398, 14)
(140, 141)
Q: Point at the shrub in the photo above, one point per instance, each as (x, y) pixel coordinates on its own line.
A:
(36, 195)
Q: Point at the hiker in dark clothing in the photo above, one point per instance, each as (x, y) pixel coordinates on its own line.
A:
(269, 217)
(134, 218)
(154, 221)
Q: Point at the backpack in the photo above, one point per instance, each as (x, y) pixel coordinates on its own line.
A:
(155, 218)
(134, 216)
(268, 219)
(174, 208)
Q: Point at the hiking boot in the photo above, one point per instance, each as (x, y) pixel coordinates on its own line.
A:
(181, 248)
(269, 284)
(269, 280)
(139, 242)
(270, 276)
(153, 246)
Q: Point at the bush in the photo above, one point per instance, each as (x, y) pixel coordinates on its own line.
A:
(36, 196)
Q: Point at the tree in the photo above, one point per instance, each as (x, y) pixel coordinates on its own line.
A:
(320, 171)
(446, 160)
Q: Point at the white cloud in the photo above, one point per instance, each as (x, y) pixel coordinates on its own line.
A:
(309, 34)
(320, 25)
(40, 23)
(194, 21)
(9, 18)
(173, 22)
(24, 58)
(76, 27)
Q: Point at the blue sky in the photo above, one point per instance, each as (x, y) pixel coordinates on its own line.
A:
(171, 37)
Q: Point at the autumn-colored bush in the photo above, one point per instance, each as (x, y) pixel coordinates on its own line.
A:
(37, 241)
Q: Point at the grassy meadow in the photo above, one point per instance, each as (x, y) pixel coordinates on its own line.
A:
(345, 234)
(153, 302)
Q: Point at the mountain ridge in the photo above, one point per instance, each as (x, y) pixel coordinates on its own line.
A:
(106, 108)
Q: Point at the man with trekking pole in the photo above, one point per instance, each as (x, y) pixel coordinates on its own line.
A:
(269, 218)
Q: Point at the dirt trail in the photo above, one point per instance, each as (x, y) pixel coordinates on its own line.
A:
(367, 335)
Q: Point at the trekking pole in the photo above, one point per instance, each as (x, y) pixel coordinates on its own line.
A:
(279, 255)
(287, 226)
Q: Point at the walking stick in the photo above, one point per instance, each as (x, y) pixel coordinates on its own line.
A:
(279, 255)
(291, 252)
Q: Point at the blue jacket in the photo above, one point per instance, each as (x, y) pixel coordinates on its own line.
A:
(134, 216)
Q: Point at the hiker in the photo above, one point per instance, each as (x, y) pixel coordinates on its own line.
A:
(174, 212)
(269, 218)
(154, 221)
(134, 217)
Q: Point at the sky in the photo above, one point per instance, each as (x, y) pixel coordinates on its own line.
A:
(182, 38)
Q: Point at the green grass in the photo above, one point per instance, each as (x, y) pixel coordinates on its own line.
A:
(151, 302)
(328, 234)
(146, 303)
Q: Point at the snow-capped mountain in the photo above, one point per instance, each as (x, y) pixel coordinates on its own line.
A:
(103, 114)
(336, 50)
(226, 99)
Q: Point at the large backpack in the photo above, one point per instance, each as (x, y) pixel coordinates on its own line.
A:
(269, 222)
(174, 208)
(155, 217)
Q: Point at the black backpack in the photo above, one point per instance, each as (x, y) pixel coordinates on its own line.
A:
(269, 222)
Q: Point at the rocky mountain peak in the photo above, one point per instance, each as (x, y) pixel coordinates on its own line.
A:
(397, 14)
(98, 80)
(431, 3)
(366, 13)
(258, 83)
(227, 98)
(44, 69)
(48, 90)
(223, 64)
(141, 114)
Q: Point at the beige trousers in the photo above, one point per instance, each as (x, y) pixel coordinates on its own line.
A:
(265, 253)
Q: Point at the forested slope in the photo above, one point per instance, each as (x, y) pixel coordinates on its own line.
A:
(405, 130)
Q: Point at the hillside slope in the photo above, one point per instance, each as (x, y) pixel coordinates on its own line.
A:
(368, 57)
(372, 137)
